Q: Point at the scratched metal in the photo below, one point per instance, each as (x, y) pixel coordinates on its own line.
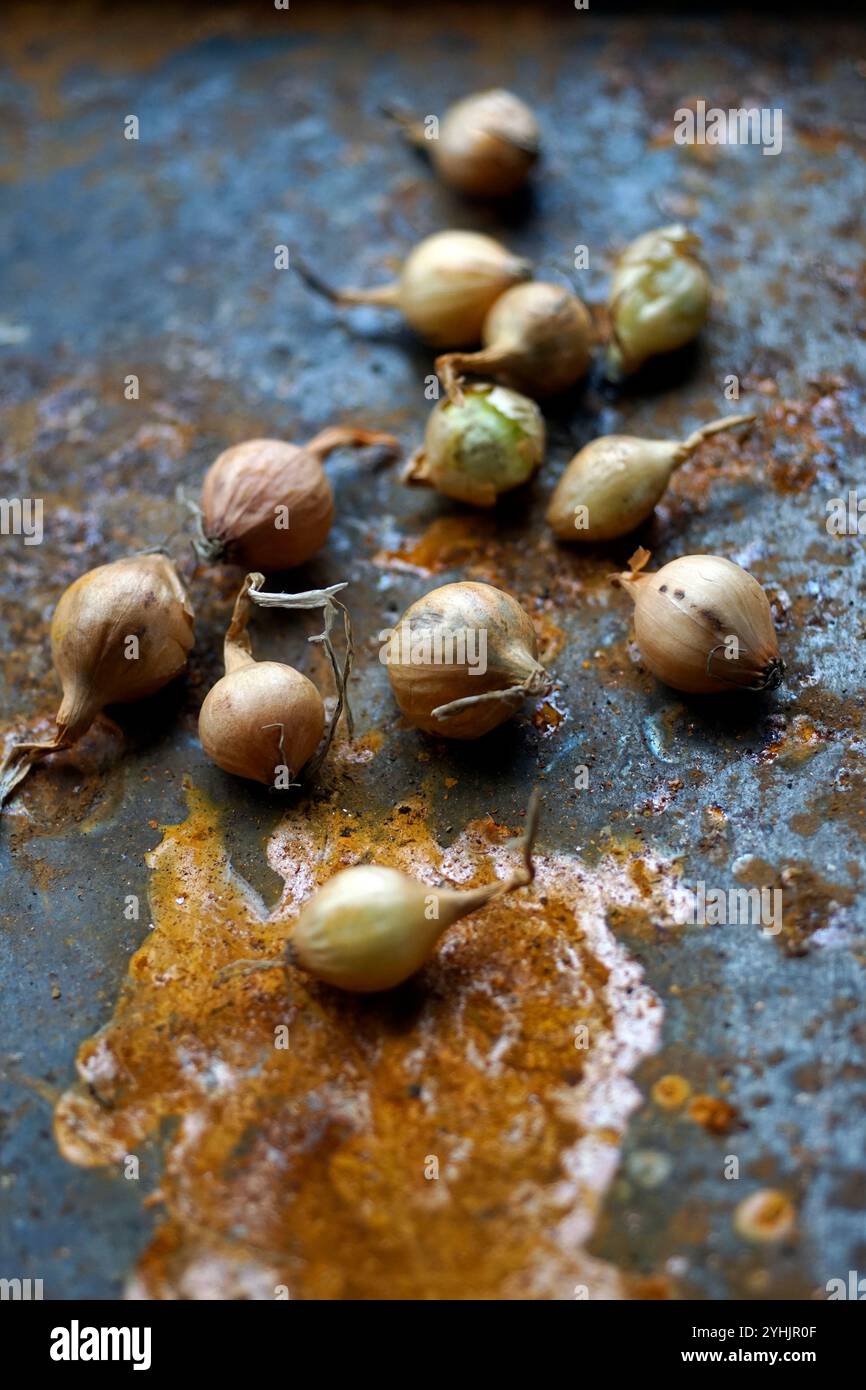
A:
(156, 258)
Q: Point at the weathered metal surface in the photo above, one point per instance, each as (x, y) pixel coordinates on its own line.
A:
(156, 258)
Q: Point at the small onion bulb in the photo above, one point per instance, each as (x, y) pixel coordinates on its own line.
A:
(462, 660)
(119, 633)
(264, 720)
(268, 505)
(537, 339)
(486, 443)
(703, 624)
(613, 483)
(446, 286)
(370, 928)
(486, 144)
(659, 297)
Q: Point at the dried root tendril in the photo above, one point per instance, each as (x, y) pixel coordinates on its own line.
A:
(694, 440)
(386, 295)
(309, 599)
(537, 683)
(209, 549)
(773, 673)
(411, 128)
(18, 762)
(281, 749)
(526, 843)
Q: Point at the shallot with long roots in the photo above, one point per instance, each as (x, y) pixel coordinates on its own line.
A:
(263, 720)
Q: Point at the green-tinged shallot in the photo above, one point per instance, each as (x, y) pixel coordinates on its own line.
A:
(462, 660)
(659, 297)
(537, 338)
(485, 145)
(119, 633)
(446, 286)
(264, 720)
(613, 483)
(703, 624)
(488, 442)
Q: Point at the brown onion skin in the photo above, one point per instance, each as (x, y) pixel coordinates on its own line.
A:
(235, 711)
(140, 596)
(243, 487)
(451, 280)
(687, 608)
(478, 151)
(512, 656)
(557, 337)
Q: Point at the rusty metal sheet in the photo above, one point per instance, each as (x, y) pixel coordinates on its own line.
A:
(609, 1166)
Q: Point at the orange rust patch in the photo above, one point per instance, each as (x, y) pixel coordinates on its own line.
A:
(549, 715)
(794, 744)
(671, 1091)
(809, 902)
(451, 1139)
(446, 544)
(715, 1115)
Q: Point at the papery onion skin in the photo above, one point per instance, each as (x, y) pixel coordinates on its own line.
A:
(255, 485)
(659, 297)
(259, 718)
(685, 612)
(140, 596)
(447, 284)
(450, 281)
(366, 929)
(617, 480)
(475, 449)
(617, 495)
(511, 656)
(370, 928)
(537, 339)
(241, 491)
(487, 144)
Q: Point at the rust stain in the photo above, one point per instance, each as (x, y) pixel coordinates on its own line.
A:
(671, 1092)
(713, 1114)
(795, 743)
(506, 1063)
(43, 58)
(810, 903)
(448, 542)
